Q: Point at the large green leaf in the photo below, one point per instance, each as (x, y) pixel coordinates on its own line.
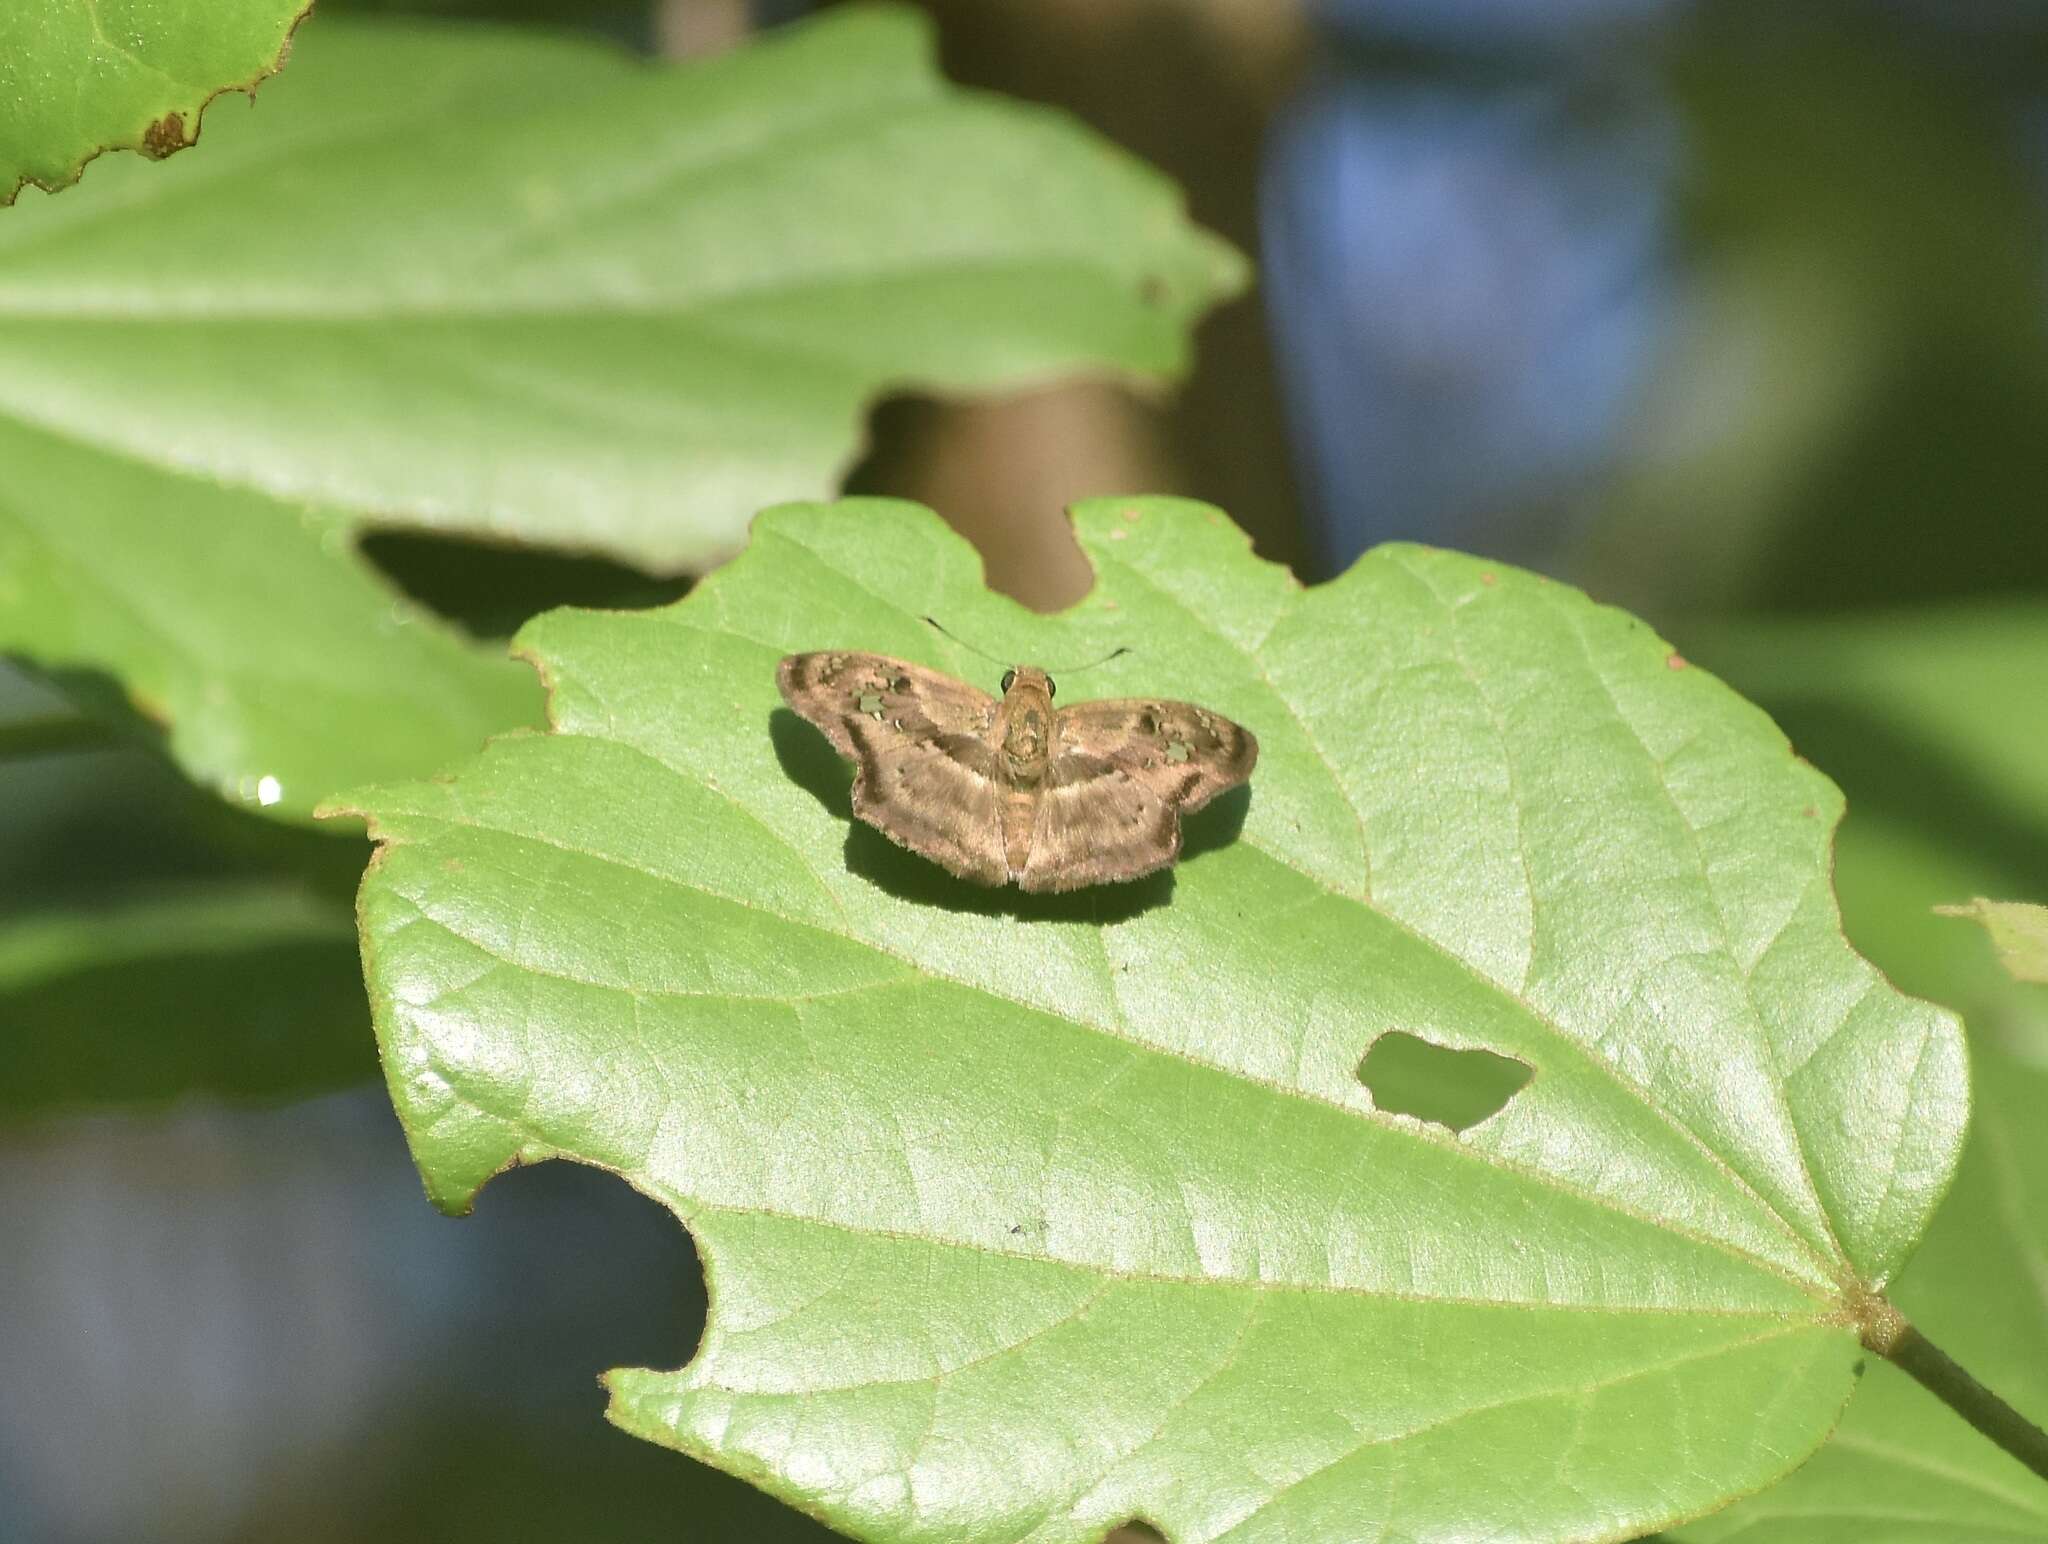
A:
(520, 287)
(1902, 1469)
(1023, 1217)
(78, 77)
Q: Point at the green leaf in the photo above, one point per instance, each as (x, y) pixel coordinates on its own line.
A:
(2019, 932)
(278, 665)
(1023, 1217)
(78, 77)
(231, 988)
(1902, 1469)
(518, 287)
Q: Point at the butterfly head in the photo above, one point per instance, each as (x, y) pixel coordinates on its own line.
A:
(1029, 679)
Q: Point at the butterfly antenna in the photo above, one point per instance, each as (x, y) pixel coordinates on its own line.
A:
(1061, 669)
(1112, 654)
(970, 648)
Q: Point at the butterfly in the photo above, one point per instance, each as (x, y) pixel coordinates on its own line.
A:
(1014, 791)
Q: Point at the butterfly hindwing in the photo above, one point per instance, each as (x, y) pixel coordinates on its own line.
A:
(1121, 775)
(1097, 823)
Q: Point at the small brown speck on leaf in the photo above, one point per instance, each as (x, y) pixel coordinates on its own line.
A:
(164, 136)
(1489, 580)
(1118, 534)
(1811, 813)
(1133, 514)
(1676, 662)
(452, 865)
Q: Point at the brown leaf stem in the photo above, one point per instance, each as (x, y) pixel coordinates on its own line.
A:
(1888, 1332)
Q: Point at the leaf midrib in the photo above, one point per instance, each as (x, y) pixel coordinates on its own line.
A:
(546, 304)
(688, 1206)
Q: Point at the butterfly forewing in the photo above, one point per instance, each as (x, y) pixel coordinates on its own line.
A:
(925, 774)
(1185, 754)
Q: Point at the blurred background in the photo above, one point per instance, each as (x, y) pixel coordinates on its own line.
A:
(1735, 314)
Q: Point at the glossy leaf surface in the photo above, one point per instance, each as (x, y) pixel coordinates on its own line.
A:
(1025, 1217)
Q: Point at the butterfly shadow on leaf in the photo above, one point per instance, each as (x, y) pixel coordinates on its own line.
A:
(813, 765)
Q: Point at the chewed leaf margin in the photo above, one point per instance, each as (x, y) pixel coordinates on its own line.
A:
(175, 127)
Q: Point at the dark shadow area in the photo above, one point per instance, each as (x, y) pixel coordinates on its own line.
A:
(1407, 1075)
(362, 1367)
(812, 764)
(101, 698)
(1136, 1531)
(908, 877)
(1216, 824)
(78, 825)
(574, 1272)
(1884, 768)
(276, 1021)
(467, 1472)
(488, 589)
(1908, 192)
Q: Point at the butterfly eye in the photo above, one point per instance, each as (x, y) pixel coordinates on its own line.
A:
(1050, 689)
(1009, 679)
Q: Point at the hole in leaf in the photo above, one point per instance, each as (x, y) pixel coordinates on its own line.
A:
(489, 589)
(1408, 1075)
(1136, 1531)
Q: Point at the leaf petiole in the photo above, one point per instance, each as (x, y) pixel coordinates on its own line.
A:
(1891, 1335)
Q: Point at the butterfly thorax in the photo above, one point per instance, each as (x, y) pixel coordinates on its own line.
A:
(1023, 737)
(1023, 727)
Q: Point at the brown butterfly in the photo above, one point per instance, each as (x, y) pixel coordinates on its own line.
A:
(1017, 791)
